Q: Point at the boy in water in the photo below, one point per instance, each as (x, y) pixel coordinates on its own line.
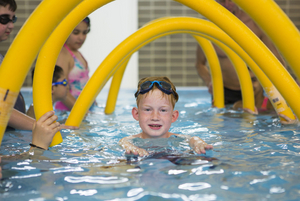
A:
(156, 98)
(60, 88)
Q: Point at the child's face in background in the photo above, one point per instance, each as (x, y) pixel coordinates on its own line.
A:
(5, 29)
(60, 91)
(155, 114)
(78, 36)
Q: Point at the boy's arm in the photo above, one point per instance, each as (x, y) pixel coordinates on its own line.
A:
(130, 148)
(197, 144)
(20, 121)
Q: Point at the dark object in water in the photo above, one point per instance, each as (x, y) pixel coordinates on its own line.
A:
(180, 159)
(175, 158)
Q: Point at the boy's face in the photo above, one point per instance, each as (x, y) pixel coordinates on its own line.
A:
(155, 114)
(59, 92)
(5, 29)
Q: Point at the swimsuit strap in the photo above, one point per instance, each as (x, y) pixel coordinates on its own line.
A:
(74, 57)
(264, 104)
(72, 54)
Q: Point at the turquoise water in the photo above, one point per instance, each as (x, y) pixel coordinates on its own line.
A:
(254, 158)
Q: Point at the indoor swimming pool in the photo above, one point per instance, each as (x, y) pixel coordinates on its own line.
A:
(254, 157)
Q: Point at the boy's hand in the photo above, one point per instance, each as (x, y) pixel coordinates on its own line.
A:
(136, 151)
(44, 130)
(130, 148)
(199, 146)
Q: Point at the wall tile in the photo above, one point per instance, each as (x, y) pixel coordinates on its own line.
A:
(179, 50)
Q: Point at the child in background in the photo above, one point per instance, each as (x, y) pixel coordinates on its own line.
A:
(156, 98)
(74, 64)
(60, 88)
(262, 102)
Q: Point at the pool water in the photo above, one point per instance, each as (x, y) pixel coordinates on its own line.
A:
(254, 157)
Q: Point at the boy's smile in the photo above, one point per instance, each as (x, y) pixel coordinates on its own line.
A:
(155, 126)
(155, 114)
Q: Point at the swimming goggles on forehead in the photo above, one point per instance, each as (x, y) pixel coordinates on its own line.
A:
(64, 82)
(4, 19)
(161, 85)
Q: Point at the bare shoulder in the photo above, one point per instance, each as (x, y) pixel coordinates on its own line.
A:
(137, 136)
(65, 60)
(64, 53)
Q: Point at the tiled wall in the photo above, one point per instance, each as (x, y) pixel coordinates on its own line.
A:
(174, 55)
(291, 8)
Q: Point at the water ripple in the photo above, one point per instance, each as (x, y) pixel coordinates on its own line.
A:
(194, 186)
(97, 180)
(84, 193)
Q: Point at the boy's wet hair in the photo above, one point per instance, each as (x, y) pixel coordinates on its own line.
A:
(174, 98)
(58, 72)
(12, 4)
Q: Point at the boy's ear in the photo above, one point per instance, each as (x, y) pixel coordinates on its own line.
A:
(175, 115)
(135, 113)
